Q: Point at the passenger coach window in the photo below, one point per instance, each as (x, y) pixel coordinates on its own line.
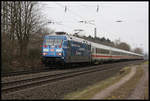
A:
(102, 51)
(116, 53)
(97, 50)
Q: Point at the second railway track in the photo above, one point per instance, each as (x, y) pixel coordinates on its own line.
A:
(13, 86)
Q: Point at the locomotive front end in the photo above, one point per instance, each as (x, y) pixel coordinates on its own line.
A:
(52, 50)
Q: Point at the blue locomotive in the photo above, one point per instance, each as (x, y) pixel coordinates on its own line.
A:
(65, 49)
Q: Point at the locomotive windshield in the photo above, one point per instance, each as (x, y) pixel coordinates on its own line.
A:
(53, 41)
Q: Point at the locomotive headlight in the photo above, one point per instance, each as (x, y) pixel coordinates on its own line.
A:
(45, 50)
(45, 53)
(59, 54)
(58, 50)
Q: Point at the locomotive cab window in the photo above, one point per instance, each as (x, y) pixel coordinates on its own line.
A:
(58, 42)
(53, 41)
(49, 42)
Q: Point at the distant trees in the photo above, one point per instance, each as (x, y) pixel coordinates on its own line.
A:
(102, 40)
(138, 50)
(124, 46)
(117, 42)
(108, 42)
(146, 56)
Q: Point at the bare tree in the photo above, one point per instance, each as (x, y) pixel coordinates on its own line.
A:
(124, 46)
(21, 21)
(117, 42)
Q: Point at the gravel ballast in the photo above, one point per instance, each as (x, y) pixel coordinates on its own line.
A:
(57, 90)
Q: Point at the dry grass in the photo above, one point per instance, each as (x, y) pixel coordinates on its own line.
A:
(146, 94)
(146, 62)
(124, 90)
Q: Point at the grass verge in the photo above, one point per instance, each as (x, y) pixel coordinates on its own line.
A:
(146, 62)
(146, 87)
(146, 93)
(125, 90)
(90, 91)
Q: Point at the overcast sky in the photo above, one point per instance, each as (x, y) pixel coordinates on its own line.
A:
(134, 16)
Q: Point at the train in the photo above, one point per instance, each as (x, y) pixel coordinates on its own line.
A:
(62, 48)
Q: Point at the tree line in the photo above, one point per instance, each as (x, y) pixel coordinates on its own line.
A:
(117, 43)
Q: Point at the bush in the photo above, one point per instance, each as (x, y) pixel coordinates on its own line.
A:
(6, 67)
(11, 61)
(34, 53)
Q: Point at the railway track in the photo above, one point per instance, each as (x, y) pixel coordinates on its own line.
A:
(16, 73)
(24, 72)
(17, 85)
